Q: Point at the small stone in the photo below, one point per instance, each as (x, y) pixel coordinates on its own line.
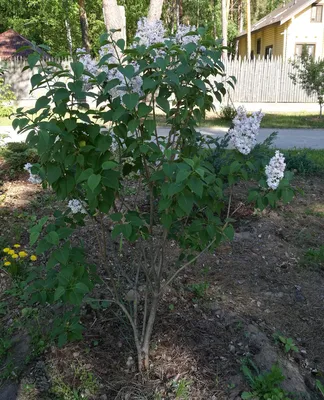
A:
(231, 348)
(103, 397)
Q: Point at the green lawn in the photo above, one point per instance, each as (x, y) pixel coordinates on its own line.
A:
(288, 120)
(270, 120)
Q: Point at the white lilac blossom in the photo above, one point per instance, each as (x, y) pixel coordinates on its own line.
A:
(181, 35)
(89, 63)
(33, 178)
(76, 206)
(133, 85)
(149, 32)
(275, 170)
(243, 134)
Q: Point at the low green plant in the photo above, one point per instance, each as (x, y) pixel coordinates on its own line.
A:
(314, 257)
(17, 155)
(288, 343)
(264, 386)
(182, 389)
(227, 112)
(16, 261)
(320, 387)
(300, 162)
(199, 289)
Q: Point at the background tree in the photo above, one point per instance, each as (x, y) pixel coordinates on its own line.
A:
(309, 73)
(84, 25)
(155, 10)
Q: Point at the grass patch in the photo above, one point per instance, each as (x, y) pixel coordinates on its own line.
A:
(270, 120)
(279, 121)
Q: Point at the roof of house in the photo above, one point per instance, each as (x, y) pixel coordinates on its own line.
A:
(11, 41)
(280, 15)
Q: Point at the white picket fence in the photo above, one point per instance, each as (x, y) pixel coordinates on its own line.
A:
(265, 81)
(258, 81)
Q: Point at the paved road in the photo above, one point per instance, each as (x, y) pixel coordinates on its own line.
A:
(286, 139)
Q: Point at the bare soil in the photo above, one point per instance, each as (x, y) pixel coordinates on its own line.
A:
(256, 286)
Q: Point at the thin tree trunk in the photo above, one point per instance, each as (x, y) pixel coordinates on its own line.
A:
(248, 28)
(155, 10)
(113, 18)
(214, 19)
(224, 25)
(69, 36)
(84, 25)
(178, 13)
(67, 24)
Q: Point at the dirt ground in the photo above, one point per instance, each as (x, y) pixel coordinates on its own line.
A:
(254, 287)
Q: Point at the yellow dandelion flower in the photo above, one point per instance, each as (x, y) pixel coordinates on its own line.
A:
(33, 258)
(11, 252)
(14, 256)
(17, 246)
(22, 254)
(7, 264)
(6, 250)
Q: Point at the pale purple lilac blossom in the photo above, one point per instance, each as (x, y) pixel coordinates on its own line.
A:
(243, 134)
(35, 179)
(76, 206)
(275, 170)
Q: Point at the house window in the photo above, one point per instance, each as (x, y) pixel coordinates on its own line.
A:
(316, 13)
(268, 51)
(305, 48)
(259, 46)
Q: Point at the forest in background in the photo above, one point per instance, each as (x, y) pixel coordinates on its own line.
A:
(59, 23)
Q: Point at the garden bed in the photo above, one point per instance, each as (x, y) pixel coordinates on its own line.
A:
(215, 316)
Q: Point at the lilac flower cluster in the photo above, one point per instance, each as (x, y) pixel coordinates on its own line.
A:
(150, 32)
(275, 170)
(76, 206)
(35, 179)
(243, 134)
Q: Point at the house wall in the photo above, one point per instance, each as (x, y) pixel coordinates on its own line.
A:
(270, 36)
(283, 38)
(302, 31)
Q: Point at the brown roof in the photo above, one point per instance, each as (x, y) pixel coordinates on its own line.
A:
(280, 15)
(11, 41)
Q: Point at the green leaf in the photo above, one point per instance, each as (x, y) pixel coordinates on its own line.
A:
(33, 59)
(93, 181)
(77, 68)
(130, 100)
(53, 173)
(196, 185)
(186, 202)
(109, 165)
(82, 288)
(61, 94)
(116, 217)
(41, 102)
(229, 232)
(163, 103)
(62, 339)
(84, 175)
(60, 290)
(182, 175)
(35, 80)
(52, 238)
(124, 229)
(143, 110)
(62, 254)
(33, 237)
(166, 220)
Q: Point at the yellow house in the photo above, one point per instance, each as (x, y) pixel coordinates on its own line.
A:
(286, 30)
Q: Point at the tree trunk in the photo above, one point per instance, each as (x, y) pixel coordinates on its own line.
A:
(69, 36)
(214, 19)
(113, 18)
(155, 10)
(84, 25)
(248, 28)
(67, 24)
(178, 13)
(224, 25)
